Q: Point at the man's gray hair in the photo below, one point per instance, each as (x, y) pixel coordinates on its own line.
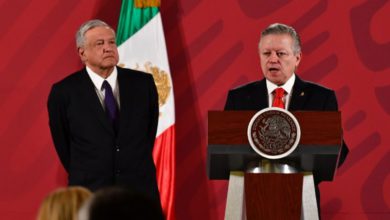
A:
(80, 34)
(278, 28)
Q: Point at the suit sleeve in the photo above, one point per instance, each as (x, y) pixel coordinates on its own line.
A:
(331, 102)
(229, 105)
(331, 105)
(154, 112)
(56, 106)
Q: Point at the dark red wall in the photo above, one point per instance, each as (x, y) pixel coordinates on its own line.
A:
(212, 47)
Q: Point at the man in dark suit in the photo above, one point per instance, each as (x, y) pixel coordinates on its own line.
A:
(103, 118)
(280, 55)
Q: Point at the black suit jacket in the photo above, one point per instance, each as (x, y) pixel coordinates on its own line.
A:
(90, 151)
(305, 96)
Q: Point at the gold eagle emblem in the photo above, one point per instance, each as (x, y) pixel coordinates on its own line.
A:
(161, 79)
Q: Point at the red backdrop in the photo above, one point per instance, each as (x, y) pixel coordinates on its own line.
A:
(212, 47)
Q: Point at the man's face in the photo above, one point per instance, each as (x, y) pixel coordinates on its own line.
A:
(277, 58)
(99, 51)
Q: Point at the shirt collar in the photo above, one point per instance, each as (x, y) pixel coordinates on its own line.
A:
(98, 80)
(287, 86)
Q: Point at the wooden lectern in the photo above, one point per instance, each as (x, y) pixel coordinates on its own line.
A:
(268, 195)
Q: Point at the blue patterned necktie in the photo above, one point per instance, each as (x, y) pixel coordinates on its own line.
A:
(110, 103)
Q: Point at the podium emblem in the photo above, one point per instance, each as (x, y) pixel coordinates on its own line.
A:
(274, 133)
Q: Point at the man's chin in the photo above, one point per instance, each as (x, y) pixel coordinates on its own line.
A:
(276, 81)
(109, 64)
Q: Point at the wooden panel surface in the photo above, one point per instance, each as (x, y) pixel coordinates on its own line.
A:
(273, 196)
(317, 128)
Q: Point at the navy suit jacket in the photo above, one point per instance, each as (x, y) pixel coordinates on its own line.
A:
(89, 149)
(305, 96)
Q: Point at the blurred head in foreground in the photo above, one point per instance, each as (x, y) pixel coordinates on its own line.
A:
(117, 203)
(63, 203)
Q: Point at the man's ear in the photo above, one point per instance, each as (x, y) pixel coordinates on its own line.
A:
(82, 54)
(298, 57)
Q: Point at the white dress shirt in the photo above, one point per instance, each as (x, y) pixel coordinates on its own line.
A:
(98, 82)
(287, 87)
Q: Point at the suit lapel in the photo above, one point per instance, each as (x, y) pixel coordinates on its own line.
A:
(92, 101)
(299, 95)
(126, 99)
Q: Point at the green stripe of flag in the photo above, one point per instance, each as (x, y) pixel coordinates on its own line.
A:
(132, 19)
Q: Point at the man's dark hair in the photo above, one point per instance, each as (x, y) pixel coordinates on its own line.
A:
(116, 203)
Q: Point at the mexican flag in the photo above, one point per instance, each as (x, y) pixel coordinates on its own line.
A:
(141, 46)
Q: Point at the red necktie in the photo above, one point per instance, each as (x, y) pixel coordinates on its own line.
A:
(278, 98)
